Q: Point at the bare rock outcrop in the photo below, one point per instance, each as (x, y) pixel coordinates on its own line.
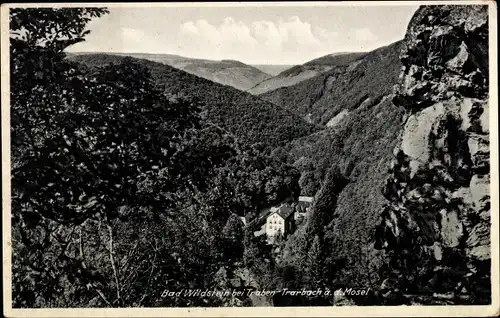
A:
(436, 227)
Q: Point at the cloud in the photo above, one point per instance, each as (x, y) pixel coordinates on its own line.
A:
(132, 34)
(325, 35)
(278, 40)
(287, 40)
(364, 35)
(189, 27)
(229, 32)
(134, 40)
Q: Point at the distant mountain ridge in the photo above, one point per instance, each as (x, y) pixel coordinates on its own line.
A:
(299, 73)
(228, 72)
(272, 69)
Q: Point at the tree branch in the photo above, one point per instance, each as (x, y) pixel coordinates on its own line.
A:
(111, 258)
(155, 248)
(99, 293)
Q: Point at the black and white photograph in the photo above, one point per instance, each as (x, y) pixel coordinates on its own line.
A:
(310, 156)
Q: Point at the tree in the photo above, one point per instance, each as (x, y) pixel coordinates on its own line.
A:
(233, 237)
(38, 37)
(325, 203)
(90, 151)
(313, 265)
(51, 28)
(314, 270)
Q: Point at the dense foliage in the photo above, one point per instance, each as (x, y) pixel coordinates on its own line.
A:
(252, 119)
(98, 154)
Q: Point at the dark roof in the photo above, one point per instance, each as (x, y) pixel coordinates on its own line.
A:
(263, 213)
(285, 211)
(259, 219)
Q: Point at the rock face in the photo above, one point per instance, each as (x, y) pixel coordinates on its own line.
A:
(436, 227)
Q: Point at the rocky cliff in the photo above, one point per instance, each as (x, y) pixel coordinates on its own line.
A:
(435, 229)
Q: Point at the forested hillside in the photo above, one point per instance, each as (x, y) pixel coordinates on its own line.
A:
(227, 72)
(299, 73)
(249, 117)
(362, 83)
(361, 147)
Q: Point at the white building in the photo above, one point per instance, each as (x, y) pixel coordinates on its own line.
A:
(279, 220)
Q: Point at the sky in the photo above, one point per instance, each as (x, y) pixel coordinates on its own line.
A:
(250, 34)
